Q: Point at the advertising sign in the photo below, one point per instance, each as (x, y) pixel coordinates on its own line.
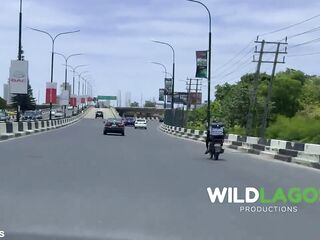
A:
(18, 77)
(168, 85)
(83, 99)
(195, 98)
(64, 98)
(202, 64)
(51, 93)
(161, 94)
(73, 101)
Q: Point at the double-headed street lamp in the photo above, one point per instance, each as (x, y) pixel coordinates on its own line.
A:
(165, 71)
(53, 38)
(74, 73)
(209, 61)
(66, 58)
(174, 60)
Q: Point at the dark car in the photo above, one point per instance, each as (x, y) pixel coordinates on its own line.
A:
(3, 116)
(161, 119)
(29, 115)
(114, 125)
(39, 115)
(99, 114)
(129, 121)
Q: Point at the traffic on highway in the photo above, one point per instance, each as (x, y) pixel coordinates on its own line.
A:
(159, 120)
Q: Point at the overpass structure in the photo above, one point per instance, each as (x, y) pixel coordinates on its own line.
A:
(140, 112)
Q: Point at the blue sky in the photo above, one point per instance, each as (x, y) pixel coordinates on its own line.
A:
(116, 39)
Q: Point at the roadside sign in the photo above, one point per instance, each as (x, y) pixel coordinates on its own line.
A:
(107, 98)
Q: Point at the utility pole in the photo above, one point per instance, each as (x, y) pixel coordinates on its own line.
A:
(197, 84)
(189, 91)
(268, 99)
(253, 96)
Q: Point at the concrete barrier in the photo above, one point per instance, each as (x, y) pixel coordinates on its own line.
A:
(300, 153)
(17, 129)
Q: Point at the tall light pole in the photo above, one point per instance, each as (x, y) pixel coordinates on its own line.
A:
(209, 61)
(53, 39)
(66, 58)
(74, 73)
(20, 33)
(79, 79)
(173, 70)
(165, 76)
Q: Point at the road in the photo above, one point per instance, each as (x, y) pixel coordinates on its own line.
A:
(74, 183)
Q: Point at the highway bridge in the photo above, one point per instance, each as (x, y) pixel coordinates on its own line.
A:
(75, 183)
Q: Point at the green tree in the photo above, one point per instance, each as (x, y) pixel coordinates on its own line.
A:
(25, 101)
(149, 104)
(3, 103)
(134, 104)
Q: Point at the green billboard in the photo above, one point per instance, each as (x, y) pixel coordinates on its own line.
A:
(107, 98)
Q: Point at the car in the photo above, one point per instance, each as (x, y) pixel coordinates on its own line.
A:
(29, 116)
(99, 114)
(114, 125)
(161, 119)
(140, 123)
(39, 115)
(3, 116)
(58, 114)
(129, 121)
(70, 108)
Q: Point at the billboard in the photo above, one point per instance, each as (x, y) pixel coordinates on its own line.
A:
(107, 98)
(51, 93)
(202, 64)
(182, 98)
(64, 98)
(73, 101)
(18, 77)
(161, 94)
(168, 85)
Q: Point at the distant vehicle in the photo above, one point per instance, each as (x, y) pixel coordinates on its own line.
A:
(140, 123)
(4, 116)
(129, 121)
(161, 119)
(99, 114)
(39, 115)
(58, 114)
(53, 112)
(29, 116)
(70, 108)
(114, 125)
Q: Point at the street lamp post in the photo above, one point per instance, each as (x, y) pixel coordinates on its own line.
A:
(79, 79)
(165, 71)
(209, 61)
(173, 70)
(74, 73)
(66, 58)
(53, 39)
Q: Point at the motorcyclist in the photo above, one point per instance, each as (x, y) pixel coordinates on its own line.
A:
(216, 131)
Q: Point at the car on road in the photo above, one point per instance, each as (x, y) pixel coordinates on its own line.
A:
(99, 114)
(129, 121)
(4, 116)
(58, 114)
(114, 125)
(29, 116)
(39, 115)
(140, 123)
(70, 108)
(161, 119)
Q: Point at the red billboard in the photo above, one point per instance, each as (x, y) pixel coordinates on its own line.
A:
(51, 93)
(73, 101)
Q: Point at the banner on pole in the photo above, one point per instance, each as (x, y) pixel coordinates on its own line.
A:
(64, 98)
(18, 77)
(73, 101)
(161, 94)
(167, 86)
(202, 64)
(51, 93)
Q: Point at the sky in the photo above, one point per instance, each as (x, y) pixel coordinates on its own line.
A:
(116, 40)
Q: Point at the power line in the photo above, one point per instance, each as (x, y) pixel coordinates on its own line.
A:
(305, 32)
(290, 26)
(304, 54)
(233, 58)
(306, 43)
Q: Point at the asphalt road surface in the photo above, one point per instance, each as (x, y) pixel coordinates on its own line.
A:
(75, 183)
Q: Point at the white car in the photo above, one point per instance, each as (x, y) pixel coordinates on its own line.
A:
(58, 114)
(70, 108)
(140, 123)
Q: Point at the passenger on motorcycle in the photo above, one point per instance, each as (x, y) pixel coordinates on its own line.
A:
(216, 132)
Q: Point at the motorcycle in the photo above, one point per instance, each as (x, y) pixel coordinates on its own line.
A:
(215, 148)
